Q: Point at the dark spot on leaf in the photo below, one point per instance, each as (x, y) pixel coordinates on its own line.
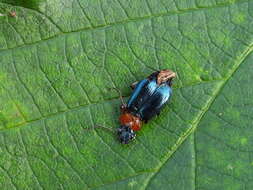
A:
(31, 4)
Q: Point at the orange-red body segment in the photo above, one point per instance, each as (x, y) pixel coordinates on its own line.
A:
(130, 120)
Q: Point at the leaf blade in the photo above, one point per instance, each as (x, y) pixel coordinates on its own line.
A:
(69, 98)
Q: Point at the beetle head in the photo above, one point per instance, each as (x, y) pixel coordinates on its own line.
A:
(125, 134)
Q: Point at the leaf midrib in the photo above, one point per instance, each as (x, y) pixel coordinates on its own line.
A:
(201, 115)
(76, 108)
(198, 119)
(103, 26)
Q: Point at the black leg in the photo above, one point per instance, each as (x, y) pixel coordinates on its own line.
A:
(133, 85)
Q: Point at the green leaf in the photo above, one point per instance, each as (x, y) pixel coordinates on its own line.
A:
(59, 58)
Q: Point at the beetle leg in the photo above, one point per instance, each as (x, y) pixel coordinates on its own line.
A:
(133, 85)
(123, 108)
(145, 121)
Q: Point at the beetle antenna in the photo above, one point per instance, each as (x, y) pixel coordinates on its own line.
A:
(120, 95)
(103, 127)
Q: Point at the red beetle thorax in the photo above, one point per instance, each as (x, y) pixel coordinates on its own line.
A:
(130, 120)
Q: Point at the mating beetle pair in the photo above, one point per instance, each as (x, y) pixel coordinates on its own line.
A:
(148, 98)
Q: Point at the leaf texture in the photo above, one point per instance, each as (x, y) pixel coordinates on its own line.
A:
(59, 58)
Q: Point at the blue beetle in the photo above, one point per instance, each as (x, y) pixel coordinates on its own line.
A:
(148, 98)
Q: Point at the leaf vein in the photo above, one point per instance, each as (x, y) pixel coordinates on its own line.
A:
(179, 11)
(200, 116)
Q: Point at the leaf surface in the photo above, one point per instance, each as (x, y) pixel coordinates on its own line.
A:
(59, 58)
